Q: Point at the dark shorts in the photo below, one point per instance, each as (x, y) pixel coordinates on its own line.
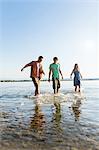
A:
(35, 81)
(56, 83)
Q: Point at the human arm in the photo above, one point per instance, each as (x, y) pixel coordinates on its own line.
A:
(41, 70)
(80, 75)
(61, 73)
(49, 75)
(71, 73)
(27, 65)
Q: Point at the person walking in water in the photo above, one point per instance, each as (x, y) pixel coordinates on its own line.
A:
(54, 68)
(77, 76)
(36, 72)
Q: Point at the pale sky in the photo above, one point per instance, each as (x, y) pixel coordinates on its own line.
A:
(68, 29)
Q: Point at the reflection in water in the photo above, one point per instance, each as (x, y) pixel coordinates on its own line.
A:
(56, 119)
(76, 108)
(21, 127)
(37, 122)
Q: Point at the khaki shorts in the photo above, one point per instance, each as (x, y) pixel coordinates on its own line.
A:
(56, 83)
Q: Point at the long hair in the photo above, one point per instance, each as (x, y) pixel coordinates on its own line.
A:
(76, 67)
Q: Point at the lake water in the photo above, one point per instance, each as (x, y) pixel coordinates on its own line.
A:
(68, 121)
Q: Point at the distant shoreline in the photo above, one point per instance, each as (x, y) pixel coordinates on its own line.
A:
(89, 79)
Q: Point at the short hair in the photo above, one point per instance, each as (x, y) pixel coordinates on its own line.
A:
(40, 57)
(55, 58)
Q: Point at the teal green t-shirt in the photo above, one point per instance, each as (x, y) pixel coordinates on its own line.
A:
(55, 70)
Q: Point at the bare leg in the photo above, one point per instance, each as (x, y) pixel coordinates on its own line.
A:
(57, 90)
(36, 89)
(79, 88)
(75, 88)
(37, 92)
(55, 86)
(58, 85)
(54, 91)
(36, 84)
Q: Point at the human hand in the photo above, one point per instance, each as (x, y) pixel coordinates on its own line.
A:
(49, 80)
(22, 69)
(70, 76)
(62, 77)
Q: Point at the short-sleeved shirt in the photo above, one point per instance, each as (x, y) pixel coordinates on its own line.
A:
(55, 70)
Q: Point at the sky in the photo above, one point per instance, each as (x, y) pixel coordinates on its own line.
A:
(68, 29)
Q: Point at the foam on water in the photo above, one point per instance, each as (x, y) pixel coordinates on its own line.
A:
(49, 98)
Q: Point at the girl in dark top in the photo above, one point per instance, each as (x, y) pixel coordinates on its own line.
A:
(77, 76)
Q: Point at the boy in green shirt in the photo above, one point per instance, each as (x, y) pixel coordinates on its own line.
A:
(55, 70)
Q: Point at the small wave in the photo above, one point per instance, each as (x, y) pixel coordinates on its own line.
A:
(48, 98)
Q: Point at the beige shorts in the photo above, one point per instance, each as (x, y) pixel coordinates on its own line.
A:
(56, 83)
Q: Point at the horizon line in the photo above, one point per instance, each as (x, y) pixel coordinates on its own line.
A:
(28, 80)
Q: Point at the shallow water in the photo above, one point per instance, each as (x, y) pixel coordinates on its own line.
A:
(67, 121)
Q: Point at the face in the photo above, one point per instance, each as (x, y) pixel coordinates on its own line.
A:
(40, 60)
(55, 60)
(76, 66)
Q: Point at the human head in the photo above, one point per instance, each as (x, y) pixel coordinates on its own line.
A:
(40, 58)
(76, 66)
(55, 59)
